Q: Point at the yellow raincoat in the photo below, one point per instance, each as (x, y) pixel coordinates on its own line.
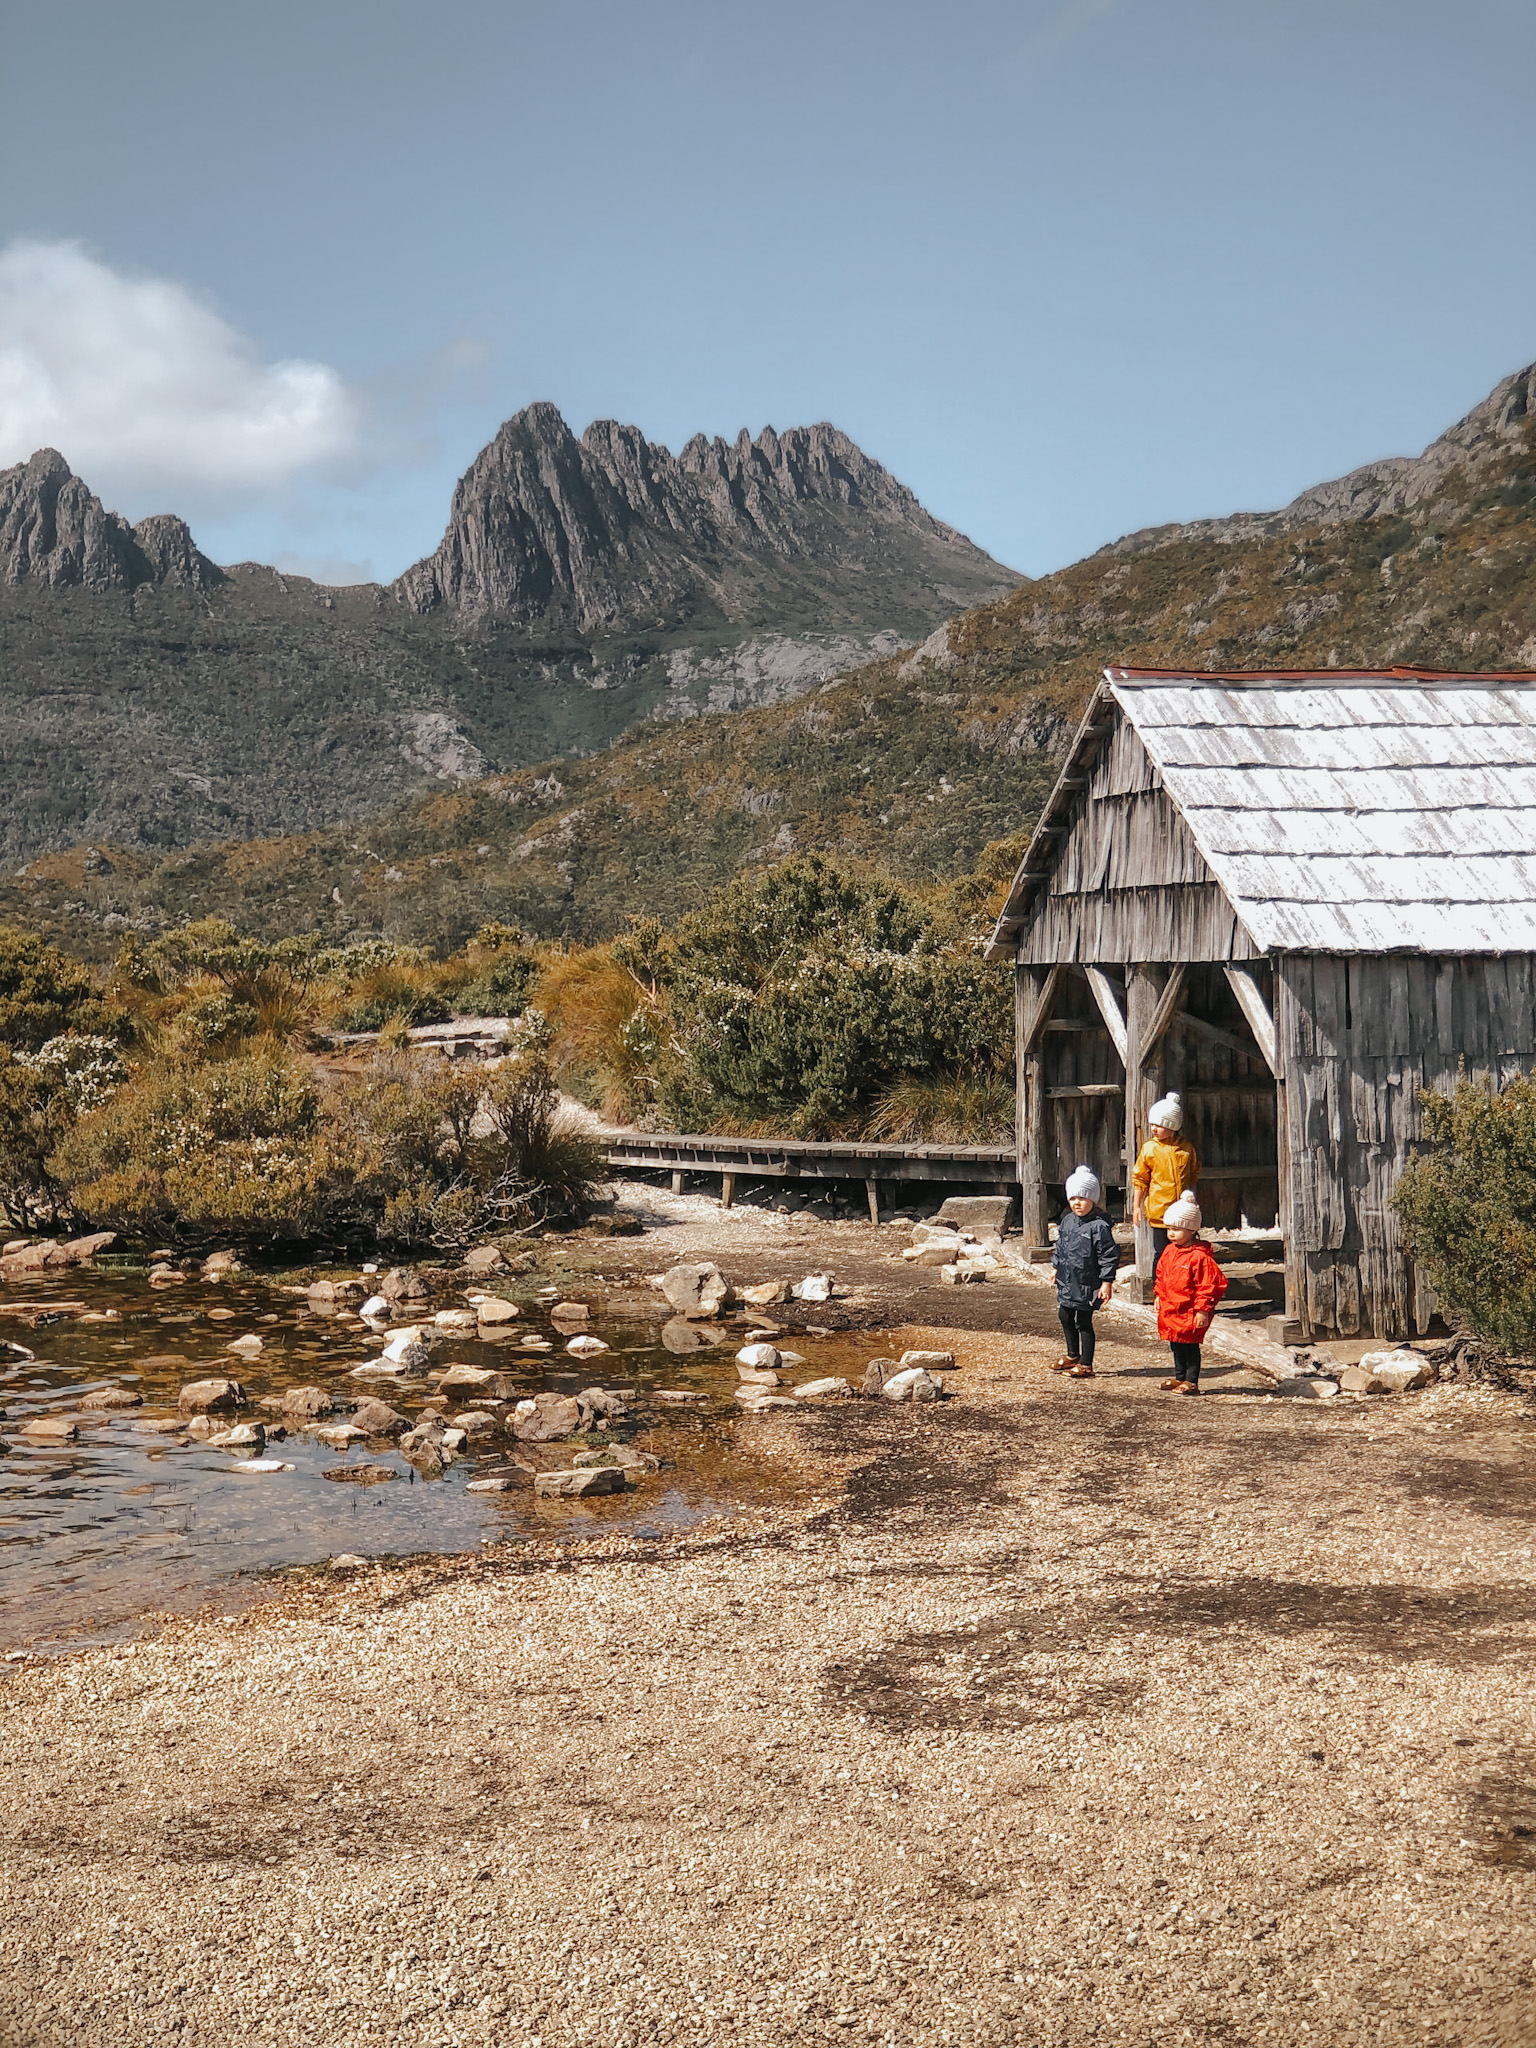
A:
(1164, 1172)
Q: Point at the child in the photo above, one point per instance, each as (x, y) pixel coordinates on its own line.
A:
(1086, 1259)
(1167, 1167)
(1189, 1285)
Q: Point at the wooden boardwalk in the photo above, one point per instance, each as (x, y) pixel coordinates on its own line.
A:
(993, 1167)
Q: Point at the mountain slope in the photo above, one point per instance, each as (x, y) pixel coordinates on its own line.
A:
(148, 697)
(914, 762)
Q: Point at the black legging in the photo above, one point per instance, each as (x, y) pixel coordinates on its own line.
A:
(1159, 1245)
(1186, 1362)
(1077, 1328)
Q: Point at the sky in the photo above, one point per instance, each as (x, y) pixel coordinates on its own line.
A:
(1067, 267)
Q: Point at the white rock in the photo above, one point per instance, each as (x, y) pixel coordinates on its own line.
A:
(248, 1345)
(930, 1361)
(526, 1408)
(961, 1276)
(938, 1251)
(490, 1308)
(912, 1385)
(261, 1465)
(815, 1287)
(375, 1309)
(455, 1319)
(1399, 1369)
(398, 1342)
(758, 1358)
(586, 1347)
(766, 1293)
(813, 1390)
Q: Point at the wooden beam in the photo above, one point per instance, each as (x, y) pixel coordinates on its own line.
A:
(1085, 1088)
(1141, 999)
(727, 1190)
(1167, 1009)
(1250, 999)
(1214, 1033)
(1109, 1007)
(872, 1196)
(1034, 992)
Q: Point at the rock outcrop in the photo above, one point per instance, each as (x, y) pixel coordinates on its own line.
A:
(610, 530)
(55, 531)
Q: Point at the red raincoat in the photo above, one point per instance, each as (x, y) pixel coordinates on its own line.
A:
(1189, 1284)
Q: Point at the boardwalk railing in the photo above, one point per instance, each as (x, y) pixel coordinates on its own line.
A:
(990, 1166)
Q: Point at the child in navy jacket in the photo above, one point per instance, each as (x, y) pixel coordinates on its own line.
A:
(1086, 1261)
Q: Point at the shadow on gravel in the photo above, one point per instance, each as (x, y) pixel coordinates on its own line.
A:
(1053, 1664)
(1503, 1814)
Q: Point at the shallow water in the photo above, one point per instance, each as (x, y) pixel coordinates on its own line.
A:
(96, 1533)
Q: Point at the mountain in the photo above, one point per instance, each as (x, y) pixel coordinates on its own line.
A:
(914, 762)
(149, 697)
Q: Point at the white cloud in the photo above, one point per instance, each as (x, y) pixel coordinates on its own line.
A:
(142, 386)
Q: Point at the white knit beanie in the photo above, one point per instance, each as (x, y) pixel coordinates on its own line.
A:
(1184, 1214)
(1169, 1113)
(1083, 1185)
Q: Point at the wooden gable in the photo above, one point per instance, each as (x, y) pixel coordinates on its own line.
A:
(1127, 882)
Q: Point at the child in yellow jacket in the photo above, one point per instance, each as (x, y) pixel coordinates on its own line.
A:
(1167, 1167)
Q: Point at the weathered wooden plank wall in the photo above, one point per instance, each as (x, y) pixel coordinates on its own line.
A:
(1362, 1035)
(1128, 884)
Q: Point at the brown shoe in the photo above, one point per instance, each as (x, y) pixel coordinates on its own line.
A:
(1065, 1364)
(1083, 1372)
(1188, 1387)
(1169, 1386)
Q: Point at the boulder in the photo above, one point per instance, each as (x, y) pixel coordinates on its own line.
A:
(938, 1251)
(877, 1372)
(324, 1294)
(360, 1475)
(766, 1293)
(338, 1435)
(50, 1429)
(1355, 1379)
(696, 1291)
(480, 1381)
(302, 1404)
(546, 1418)
(929, 1361)
(570, 1312)
(503, 1483)
(112, 1397)
(1398, 1370)
(601, 1404)
(218, 1264)
(981, 1215)
(404, 1284)
(912, 1385)
(940, 1233)
(376, 1309)
(247, 1346)
(377, 1418)
(679, 1397)
(477, 1422)
(165, 1276)
(817, 1390)
(485, 1258)
(408, 1356)
(1307, 1386)
(759, 1404)
(490, 1309)
(963, 1274)
(462, 1319)
(595, 1479)
(751, 1378)
(586, 1347)
(245, 1436)
(757, 1358)
(210, 1397)
(815, 1287)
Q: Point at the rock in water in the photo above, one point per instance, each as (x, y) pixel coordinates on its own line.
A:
(696, 1290)
(303, 1403)
(579, 1485)
(377, 1418)
(206, 1397)
(360, 1475)
(758, 1358)
(112, 1397)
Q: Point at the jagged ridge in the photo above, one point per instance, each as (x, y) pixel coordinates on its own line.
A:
(55, 531)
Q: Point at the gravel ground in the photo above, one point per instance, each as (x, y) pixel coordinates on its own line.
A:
(1058, 1713)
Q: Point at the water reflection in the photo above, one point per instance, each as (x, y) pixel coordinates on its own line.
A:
(128, 1516)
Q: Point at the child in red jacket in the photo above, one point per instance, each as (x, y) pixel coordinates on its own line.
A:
(1188, 1286)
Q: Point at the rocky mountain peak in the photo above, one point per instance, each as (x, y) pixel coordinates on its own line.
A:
(613, 530)
(56, 532)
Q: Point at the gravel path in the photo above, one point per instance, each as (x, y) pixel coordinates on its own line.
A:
(1061, 1714)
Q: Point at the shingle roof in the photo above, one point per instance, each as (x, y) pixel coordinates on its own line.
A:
(1353, 812)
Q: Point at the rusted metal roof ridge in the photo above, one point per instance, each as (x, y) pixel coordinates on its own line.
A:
(1262, 678)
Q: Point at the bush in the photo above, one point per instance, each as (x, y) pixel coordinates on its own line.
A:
(43, 994)
(1469, 1208)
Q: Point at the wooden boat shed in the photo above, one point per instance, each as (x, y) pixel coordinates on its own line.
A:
(1299, 899)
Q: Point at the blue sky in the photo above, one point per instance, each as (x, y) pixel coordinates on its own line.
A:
(1068, 267)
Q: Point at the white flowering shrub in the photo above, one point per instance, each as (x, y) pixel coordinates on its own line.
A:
(88, 1070)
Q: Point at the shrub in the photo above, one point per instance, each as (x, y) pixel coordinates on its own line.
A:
(42, 993)
(1469, 1208)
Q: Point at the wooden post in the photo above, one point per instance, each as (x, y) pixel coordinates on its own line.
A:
(727, 1189)
(1034, 993)
(1151, 1001)
(677, 1183)
(872, 1191)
